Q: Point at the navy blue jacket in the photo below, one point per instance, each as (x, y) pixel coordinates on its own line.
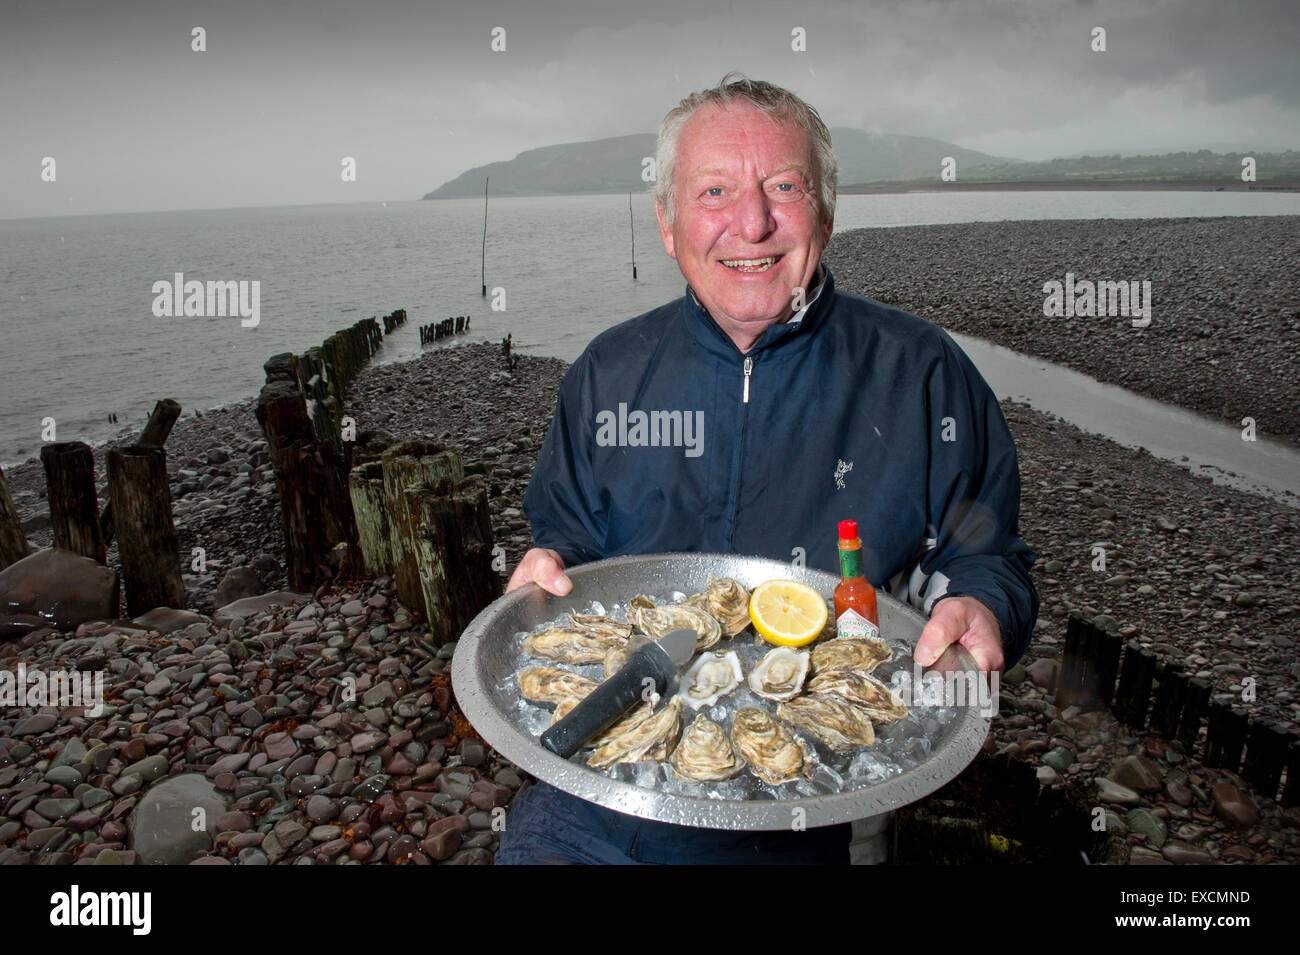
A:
(859, 411)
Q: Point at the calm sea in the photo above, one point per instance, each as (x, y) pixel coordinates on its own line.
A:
(80, 340)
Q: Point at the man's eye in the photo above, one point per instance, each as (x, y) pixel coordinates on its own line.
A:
(713, 191)
(786, 186)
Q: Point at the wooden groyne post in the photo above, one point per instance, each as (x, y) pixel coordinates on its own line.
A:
(70, 487)
(13, 542)
(156, 432)
(147, 540)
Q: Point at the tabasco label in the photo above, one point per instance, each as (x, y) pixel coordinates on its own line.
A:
(852, 624)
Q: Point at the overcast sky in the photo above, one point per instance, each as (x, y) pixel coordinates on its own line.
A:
(137, 121)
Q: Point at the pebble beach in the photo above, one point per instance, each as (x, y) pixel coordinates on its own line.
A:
(323, 729)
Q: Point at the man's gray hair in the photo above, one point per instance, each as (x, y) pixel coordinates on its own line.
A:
(778, 103)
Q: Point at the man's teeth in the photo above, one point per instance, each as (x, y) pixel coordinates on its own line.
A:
(750, 263)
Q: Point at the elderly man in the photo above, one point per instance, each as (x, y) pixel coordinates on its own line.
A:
(816, 406)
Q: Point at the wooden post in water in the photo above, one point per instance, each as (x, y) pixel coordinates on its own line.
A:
(147, 540)
(632, 222)
(483, 261)
(13, 542)
(70, 487)
(159, 426)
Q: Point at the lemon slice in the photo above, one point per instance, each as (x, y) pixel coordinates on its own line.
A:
(787, 613)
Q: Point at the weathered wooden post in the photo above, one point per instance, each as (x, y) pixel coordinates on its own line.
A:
(405, 466)
(147, 540)
(13, 542)
(453, 553)
(70, 488)
(1168, 706)
(1069, 678)
(1265, 756)
(1196, 706)
(1134, 692)
(1225, 736)
(156, 431)
(369, 509)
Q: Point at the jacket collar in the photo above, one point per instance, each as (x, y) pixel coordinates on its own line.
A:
(786, 335)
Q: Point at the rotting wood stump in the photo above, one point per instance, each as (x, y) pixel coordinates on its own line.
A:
(70, 489)
(13, 542)
(147, 541)
(156, 431)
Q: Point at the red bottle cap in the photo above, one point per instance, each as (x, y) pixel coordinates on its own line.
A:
(848, 530)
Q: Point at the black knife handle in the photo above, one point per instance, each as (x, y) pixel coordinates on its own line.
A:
(610, 700)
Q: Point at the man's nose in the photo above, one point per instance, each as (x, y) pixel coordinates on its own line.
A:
(752, 215)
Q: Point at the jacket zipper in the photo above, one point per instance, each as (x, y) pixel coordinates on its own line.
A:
(749, 370)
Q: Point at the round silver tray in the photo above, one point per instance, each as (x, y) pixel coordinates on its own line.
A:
(483, 670)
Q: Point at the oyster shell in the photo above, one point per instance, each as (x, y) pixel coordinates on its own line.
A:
(780, 674)
(711, 677)
(570, 645)
(599, 625)
(881, 703)
(615, 660)
(656, 621)
(726, 601)
(650, 738)
(563, 707)
(705, 753)
(629, 720)
(552, 685)
(863, 654)
(773, 754)
(835, 721)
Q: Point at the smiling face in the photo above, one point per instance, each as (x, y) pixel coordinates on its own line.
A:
(747, 230)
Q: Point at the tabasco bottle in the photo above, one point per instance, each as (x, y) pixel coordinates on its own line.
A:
(855, 597)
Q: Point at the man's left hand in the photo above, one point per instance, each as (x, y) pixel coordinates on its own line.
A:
(966, 621)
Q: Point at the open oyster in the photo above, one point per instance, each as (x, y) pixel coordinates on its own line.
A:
(711, 677)
(570, 645)
(835, 721)
(772, 752)
(881, 703)
(599, 625)
(780, 674)
(705, 753)
(552, 685)
(632, 718)
(863, 654)
(726, 601)
(651, 738)
(656, 621)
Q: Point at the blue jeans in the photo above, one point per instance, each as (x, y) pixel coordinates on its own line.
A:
(547, 827)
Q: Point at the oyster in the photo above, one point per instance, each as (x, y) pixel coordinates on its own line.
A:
(615, 660)
(650, 738)
(656, 621)
(633, 717)
(711, 676)
(570, 645)
(563, 707)
(726, 601)
(863, 654)
(780, 674)
(881, 703)
(772, 752)
(705, 753)
(552, 685)
(835, 721)
(599, 625)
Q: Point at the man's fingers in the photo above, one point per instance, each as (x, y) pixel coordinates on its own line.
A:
(544, 568)
(942, 631)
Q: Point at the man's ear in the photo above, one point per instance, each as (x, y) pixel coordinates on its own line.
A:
(665, 232)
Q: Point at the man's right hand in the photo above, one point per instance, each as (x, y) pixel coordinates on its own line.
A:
(542, 567)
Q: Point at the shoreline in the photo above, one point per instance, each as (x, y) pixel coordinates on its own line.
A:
(903, 186)
(1223, 340)
(1179, 559)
